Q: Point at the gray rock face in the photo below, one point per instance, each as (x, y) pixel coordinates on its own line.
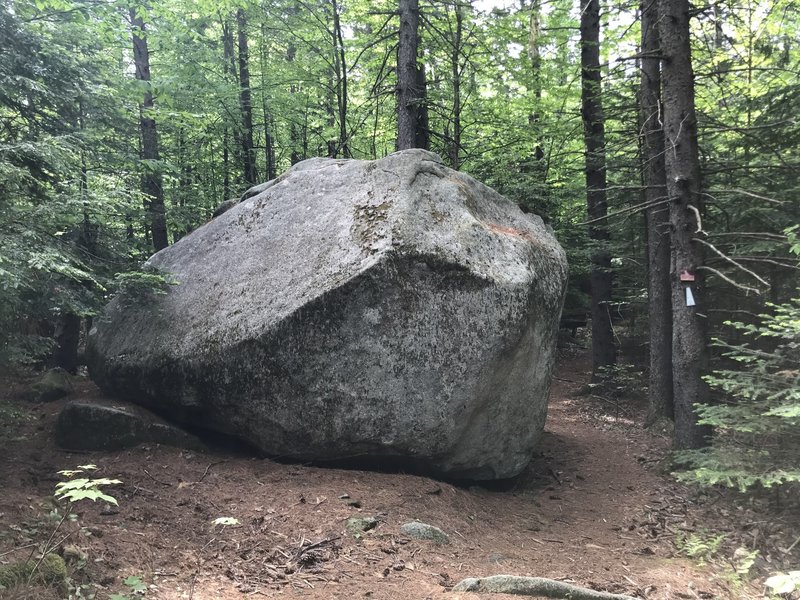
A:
(84, 425)
(52, 385)
(389, 308)
(423, 531)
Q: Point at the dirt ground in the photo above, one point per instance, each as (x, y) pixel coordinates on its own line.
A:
(592, 509)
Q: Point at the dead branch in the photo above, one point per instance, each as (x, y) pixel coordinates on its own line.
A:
(696, 212)
(164, 483)
(629, 209)
(724, 277)
(533, 586)
(303, 549)
(751, 194)
(732, 261)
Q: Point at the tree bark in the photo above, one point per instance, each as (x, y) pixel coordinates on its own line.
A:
(689, 349)
(152, 183)
(455, 65)
(657, 222)
(340, 69)
(231, 76)
(245, 101)
(422, 139)
(410, 98)
(269, 142)
(603, 349)
(536, 64)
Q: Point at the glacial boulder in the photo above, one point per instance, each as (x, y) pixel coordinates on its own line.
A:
(392, 308)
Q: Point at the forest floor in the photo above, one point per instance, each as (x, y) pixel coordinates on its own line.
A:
(594, 508)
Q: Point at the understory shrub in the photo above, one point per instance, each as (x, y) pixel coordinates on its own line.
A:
(757, 423)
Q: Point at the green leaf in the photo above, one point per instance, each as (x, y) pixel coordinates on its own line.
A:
(784, 583)
(135, 583)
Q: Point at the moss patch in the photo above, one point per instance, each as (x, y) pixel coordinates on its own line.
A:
(50, 572)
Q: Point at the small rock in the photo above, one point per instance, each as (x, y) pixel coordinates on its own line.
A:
(52, 385)
(84, 425)
(73, 554)
(357, 525)
(423, 531)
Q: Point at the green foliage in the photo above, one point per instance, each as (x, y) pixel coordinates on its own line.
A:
(743, 561)
(783, 583)
(83, 488)
(757, 422)
(701, 546)
(136, 587)
(137, 287)
(61, 194)
(49, 571)
(619, 380)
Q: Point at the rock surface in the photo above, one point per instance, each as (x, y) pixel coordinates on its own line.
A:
(52, 385)
(423, 531)
(355, 526)
(391, 308)
(84, 425)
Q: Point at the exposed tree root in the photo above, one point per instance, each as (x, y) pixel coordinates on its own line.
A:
(533, 586)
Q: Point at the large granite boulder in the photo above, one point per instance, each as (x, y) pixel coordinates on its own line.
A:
(392, 308)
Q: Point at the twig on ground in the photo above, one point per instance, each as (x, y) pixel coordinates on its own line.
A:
(146, 472)
(7, 552)
(219, 462)
(790, 548)
(303, 550)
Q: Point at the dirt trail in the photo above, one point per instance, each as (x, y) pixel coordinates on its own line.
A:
(588, 510)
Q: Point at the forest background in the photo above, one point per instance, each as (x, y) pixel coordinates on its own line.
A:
(123, 126)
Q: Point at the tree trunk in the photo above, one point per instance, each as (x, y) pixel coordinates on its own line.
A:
(689, 350)
(657, 221)
(603, 350)
(455, 65)
(422, 139)
(340, 68)
(536, 64)
(269, 142)
(231, 76)
(152, 185)
(409, 96)
(294, 135)
(226, 170)
(245, 102)
(67, 337)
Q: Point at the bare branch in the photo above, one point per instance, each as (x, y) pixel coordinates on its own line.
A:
(751, 194)
(630, 209)
(724, 277)
(733, 262)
